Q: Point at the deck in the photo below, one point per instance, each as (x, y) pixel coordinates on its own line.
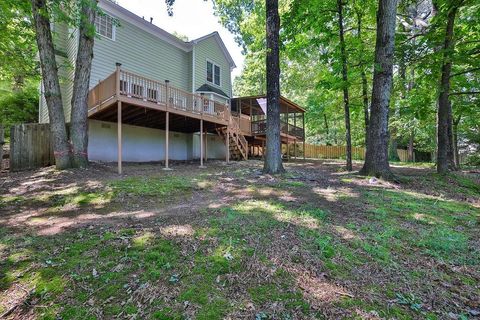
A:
(135, 90)
(128, 98)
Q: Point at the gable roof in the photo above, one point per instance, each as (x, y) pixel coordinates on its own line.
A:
(220, 43)
(126, 15)
(208, 88)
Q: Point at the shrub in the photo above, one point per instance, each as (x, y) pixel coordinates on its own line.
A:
(19, 107)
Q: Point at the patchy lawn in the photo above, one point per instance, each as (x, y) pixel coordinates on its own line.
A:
(227, 242)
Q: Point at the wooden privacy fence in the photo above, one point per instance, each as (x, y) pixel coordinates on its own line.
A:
(30, 146)
(335, 152)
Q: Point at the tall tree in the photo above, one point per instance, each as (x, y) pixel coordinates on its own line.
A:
(83, 66)
(445, 153)
(376, 159)
(346, 100)
(363, 74)
(273, 159)
(51, 84)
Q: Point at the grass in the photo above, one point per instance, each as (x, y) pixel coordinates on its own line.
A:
(382, 253)
(151, 186)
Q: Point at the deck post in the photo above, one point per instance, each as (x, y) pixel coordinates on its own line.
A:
(201, 143)
(206, 145)
(295, 148)
(303, 127)
(117, 79)
(119, 136)
(263, 149)
(288, 149)
(167, 138)
(227, 144)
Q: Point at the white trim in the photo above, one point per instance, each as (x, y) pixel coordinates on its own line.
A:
(214, 64)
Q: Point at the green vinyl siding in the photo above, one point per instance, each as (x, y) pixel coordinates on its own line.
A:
(62, 40)
(142, 53)
(209, 50)
(139, 52)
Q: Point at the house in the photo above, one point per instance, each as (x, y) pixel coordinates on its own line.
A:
(155, 97)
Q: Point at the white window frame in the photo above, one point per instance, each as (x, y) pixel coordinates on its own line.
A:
(114, 27)
(213, 73)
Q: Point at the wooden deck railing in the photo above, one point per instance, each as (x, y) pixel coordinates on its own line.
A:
(260, 127)
(239, 137)
(102, 92)
(133, 85)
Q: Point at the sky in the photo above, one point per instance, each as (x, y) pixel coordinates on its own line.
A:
(192, 18)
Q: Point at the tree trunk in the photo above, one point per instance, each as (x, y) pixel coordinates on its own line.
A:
(326, 123)
(365, 103)
(346, 100)
(445, 161)
(376, 160)
(411, 157)
(363, 75)
(273, 160)
(83, 66)
(51, 84)
(455, 141)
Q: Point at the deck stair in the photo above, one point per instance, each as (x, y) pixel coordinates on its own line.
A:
(238, 145)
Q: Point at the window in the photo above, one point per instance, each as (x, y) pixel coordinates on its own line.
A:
(104, 26)
(213, 73)
(209, 71)
(216, 77)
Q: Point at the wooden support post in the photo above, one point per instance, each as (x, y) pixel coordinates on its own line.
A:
(263, 149)
(288, 150)
(117, 80)
(295, 148)
(201, 143)
(304, 152)
(227, 143)
(119, 136)
(303, 127)
(167, 138)
(251, 109)
(206, 145)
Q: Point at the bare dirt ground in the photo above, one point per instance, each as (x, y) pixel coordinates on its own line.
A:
(316, 242)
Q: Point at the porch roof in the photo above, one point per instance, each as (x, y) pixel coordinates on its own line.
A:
(286, 105)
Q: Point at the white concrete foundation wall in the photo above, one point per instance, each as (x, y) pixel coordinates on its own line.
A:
(216, 148)
(140, 144)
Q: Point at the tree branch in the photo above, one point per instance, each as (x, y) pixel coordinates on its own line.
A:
(464, 92)
(463, 72)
